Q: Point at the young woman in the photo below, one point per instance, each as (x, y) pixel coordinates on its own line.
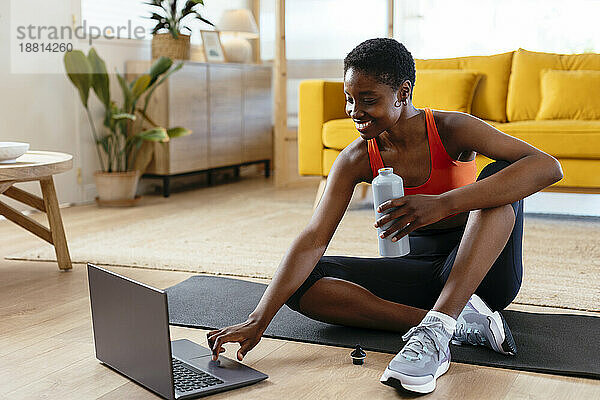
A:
(465, 231)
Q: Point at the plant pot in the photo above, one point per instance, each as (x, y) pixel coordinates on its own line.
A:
(164, 44)
(116, 186)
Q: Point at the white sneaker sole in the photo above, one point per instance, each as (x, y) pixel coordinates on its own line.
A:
(496, 325)
(418, 384)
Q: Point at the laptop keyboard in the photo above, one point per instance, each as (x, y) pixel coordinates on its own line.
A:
(187, 380)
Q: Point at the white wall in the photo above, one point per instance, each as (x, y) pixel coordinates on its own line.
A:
(45, 111)
(39, 108)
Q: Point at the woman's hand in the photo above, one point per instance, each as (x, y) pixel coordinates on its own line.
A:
(247, 334)
(415, 210)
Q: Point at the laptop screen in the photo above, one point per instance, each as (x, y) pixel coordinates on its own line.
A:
(131, 329)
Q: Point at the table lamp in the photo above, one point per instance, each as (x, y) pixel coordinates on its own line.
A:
(238, 26)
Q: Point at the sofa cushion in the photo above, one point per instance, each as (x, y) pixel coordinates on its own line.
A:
(459, 87)
(578, 173)
(524, 93)
(489, 100)
(559, 138)
(570, 95)
(339, 133)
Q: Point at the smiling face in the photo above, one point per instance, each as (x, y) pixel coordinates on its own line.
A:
(370, 104)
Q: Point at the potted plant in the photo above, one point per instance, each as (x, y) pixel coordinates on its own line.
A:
(125, 127)
(173, 43)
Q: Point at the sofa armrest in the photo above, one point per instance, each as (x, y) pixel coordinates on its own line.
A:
(319, 101)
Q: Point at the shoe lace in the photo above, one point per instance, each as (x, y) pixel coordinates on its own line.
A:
(470, 335)
(422, 339)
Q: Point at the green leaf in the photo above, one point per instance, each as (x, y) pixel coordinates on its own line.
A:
(178, 131)
(157, 17)
(189, 5)
(104, 143)
(203, 19)
(123, 116)
(108, 114)
(127, 96)
(79, 72)
(173, 8)
(99, 77)
(159, 67)
(160, 81)
(146, 117)
(154, 135)
(139, 86)
(159, 26)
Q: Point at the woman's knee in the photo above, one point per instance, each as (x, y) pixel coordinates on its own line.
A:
(503, 215)
(492, 168)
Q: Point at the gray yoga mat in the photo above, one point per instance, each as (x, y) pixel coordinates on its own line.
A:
(551, 343)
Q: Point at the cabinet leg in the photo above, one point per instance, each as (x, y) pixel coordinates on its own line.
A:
(166, 186)
(267, 168)
(236, 171)
(55, 221)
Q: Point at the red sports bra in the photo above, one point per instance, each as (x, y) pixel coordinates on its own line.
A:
(446, 173)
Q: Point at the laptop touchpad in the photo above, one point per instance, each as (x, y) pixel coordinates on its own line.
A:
(224, 368)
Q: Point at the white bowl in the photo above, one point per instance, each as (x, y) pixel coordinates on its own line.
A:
(10, 151)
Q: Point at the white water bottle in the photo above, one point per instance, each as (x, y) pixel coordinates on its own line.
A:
(387, 186)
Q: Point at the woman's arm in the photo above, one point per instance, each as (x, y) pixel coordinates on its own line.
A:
(296, 265)
(531, 169)
(300, 259)
(310, 245)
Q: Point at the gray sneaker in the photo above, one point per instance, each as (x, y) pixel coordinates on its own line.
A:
(478, 325)
(422, 360)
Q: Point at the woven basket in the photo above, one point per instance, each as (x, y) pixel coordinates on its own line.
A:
(164, 44)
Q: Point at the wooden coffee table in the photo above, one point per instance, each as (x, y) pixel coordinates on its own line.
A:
(38, 166)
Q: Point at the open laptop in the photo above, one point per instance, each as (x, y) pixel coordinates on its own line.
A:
(131, 335)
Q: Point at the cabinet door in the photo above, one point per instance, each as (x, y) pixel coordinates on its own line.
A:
(225, 93)
(257, 141)
(188, 107)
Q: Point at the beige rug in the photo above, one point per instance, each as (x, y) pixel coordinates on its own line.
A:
(247, 233)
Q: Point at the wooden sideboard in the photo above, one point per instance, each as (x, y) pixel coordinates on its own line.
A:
(227, 106)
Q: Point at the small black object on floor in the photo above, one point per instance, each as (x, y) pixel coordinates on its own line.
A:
(551, 343)
(358, 355)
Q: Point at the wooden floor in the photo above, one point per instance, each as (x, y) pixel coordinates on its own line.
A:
(47, 351)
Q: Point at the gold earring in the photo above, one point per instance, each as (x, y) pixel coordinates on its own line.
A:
(405, 102)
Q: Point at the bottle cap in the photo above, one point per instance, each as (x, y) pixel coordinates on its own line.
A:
(358, 355)
(386, 171)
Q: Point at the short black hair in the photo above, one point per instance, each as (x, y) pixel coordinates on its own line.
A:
(387, 60)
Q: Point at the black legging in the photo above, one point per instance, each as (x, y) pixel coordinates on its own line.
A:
(418, 278)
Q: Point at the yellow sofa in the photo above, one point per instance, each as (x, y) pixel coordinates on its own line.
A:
(507, 96)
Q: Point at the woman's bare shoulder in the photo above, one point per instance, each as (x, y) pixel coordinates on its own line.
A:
(448, 123)
(451, 121)
(446, 120)
(358, 159)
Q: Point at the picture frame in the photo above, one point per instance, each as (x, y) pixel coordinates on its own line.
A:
(213, 49)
